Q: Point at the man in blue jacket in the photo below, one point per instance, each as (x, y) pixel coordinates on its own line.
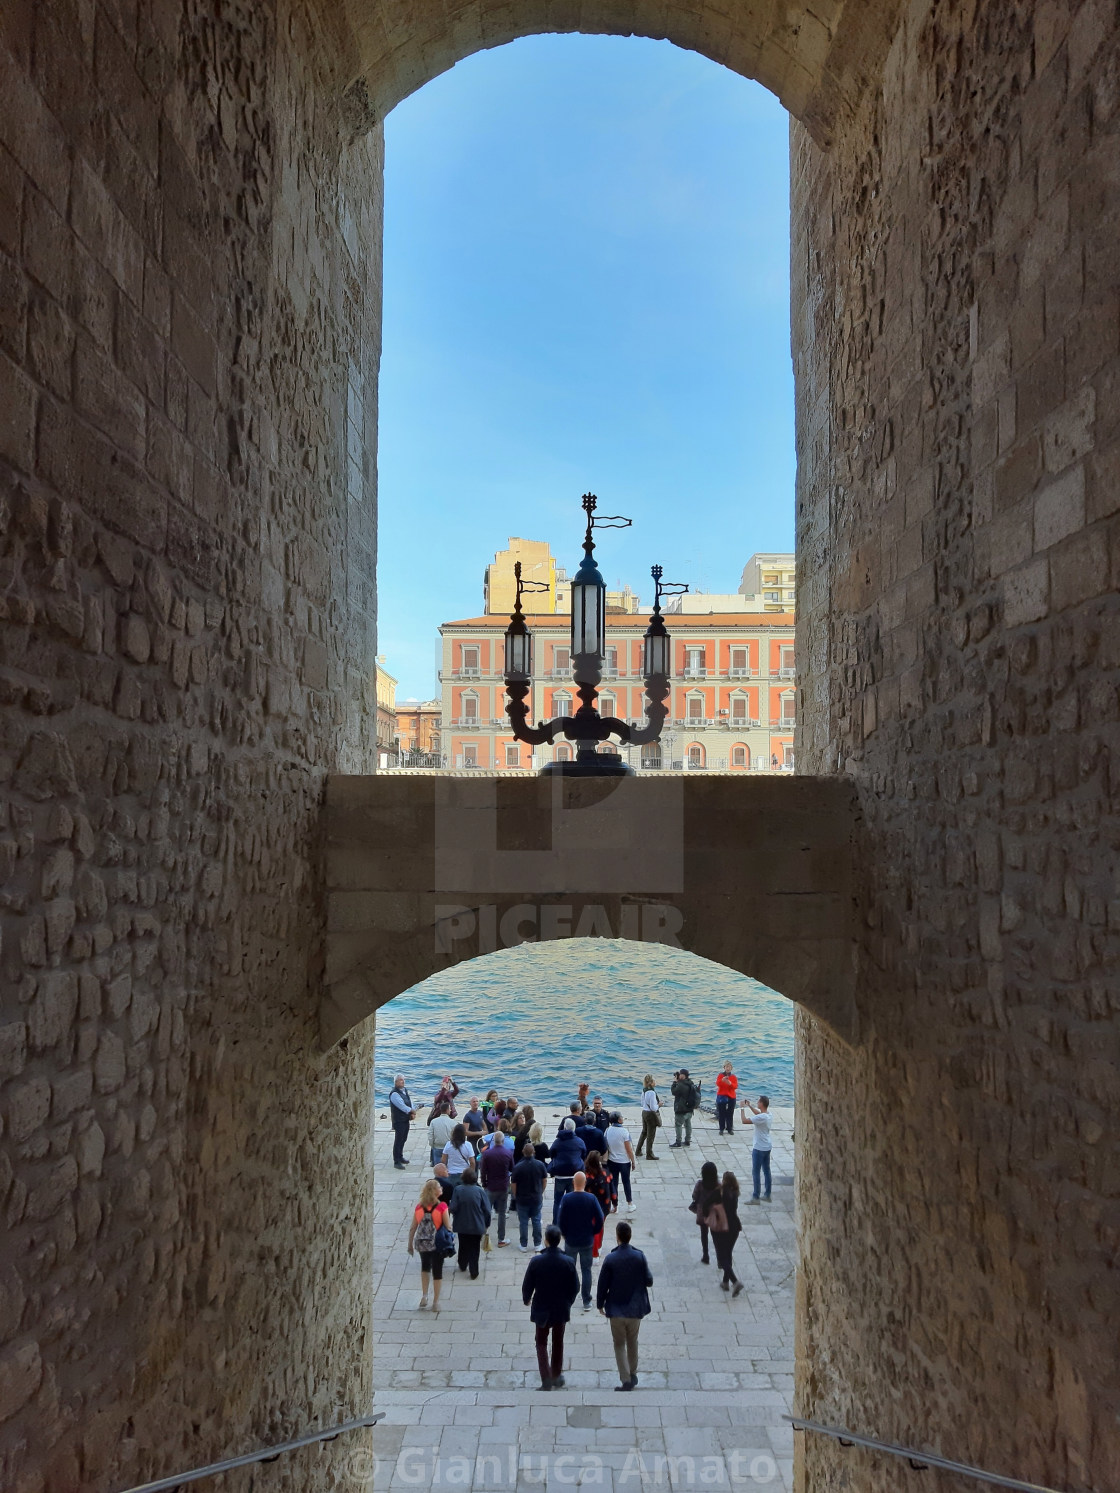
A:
(549, 1288)
(566, 1159)
(580, 1219)
(623, 1296)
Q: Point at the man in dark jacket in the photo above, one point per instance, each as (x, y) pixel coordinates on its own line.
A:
(623, 1296)
(686, 1099)
(593, 1135)
(470, 1213)
(549, 1288)
(579, 1220)
(568, 1152)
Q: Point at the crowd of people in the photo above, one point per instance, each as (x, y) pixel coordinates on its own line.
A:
(495, 1157)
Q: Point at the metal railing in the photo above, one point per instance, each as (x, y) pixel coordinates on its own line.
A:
(262, 1454)
(918, 1460)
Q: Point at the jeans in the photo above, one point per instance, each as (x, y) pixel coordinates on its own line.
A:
(581, 1253)
(530, 1213)
(550, 1370)
(725, 1113)
(437, 1155)
(620, 1171)
(469, 1246)
(400, 1135)
(500, 1201)
(760, 1167)
(703, 1241)
(649, 1131)
(684, 1122)
(725, 1248)
(560, 1186)
(624, 1333)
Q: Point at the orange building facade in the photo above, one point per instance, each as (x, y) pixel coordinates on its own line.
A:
(732, 706)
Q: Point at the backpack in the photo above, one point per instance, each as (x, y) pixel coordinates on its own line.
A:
(425, 1240)
(693, 1095)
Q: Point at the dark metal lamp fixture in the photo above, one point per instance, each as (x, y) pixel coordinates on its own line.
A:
(587, 728)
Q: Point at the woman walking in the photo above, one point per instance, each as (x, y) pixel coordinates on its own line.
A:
(706, 1187)
(458, 1153)
(471, 1213)
(723, 1220)
(620, 1155)
(600, 1186)
(651, 1117)
(427, 1216)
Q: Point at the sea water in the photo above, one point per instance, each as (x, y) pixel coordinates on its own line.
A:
(537, 1020)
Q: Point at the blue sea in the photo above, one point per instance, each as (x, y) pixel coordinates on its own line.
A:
(535, 1021)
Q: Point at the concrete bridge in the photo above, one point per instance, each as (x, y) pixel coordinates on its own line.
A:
(425, 872)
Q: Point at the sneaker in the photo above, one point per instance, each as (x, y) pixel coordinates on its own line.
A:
(503, 1243)
(675, 1145)
(558, 1382)
(631, 1207)
(766, 1199)
(523, 1248)
(655, 1158)
(620, 1388)
(737, 1288)
(544, 1384)
(724, 1286)
(400, 1165)
(587, 1306)
(752, 1201)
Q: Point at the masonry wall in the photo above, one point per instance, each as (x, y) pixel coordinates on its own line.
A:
(956, 344)
(189, 255)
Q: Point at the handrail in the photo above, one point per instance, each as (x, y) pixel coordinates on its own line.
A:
(262, 1454)
(920, 1461)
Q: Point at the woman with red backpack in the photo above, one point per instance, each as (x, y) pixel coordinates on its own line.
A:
(428, 1217)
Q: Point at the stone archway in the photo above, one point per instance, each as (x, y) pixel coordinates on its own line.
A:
(754, 874)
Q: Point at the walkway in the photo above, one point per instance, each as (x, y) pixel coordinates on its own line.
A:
(459, 1389)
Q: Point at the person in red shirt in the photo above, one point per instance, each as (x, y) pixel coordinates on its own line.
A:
(727, 1086)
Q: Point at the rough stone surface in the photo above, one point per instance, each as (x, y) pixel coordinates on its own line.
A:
(190, 203)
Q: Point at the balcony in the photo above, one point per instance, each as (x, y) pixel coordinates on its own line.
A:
(469, 722)
(747, 673)
(787, 673)
(565, 674)
(471, 673)
(740, 723)
(694, 721)
(694, 671)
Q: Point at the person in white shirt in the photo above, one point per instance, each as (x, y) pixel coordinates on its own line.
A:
(439, 1133)
(651, 1117)
(620, 1154)
(760, 1156)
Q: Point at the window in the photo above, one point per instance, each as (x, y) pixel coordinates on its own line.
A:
(696, 756)
(611, 664)
(740, 661)
(694, 661)
(738, 707)
(740, 756)
(606, 704)
(468, 707)
(470, 756)
(561, 704)
(651, 754)
(513, 755)
(607, 749)
(788, 763)
(789, 707)
(787, 662)
(470, 657)
(696, 707)
(561, 660)
(563, 753)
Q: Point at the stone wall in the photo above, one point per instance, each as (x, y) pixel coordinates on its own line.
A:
(956, 333)
(189, 303)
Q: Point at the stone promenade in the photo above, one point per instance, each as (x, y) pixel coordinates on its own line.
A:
(459, 1390)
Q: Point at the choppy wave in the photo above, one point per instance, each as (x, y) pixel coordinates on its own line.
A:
(536, 1020)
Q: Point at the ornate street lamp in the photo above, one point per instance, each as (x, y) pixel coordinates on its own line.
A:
(587, 728)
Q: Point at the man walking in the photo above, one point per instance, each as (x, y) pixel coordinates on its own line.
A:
(495, 1169)
(549, 1288)
(439, 1133)
(686, 1098)
(528, 1181)
(567, 1156)
(727, 1086)
(402, 1115)
(623, 1297)
(760, 1156)
(580, 1219)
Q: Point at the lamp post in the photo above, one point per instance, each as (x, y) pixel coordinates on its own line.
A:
(587, 728)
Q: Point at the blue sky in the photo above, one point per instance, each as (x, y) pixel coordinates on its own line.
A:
(586, 288)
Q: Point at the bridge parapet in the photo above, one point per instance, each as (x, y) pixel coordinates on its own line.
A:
(425, 872)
